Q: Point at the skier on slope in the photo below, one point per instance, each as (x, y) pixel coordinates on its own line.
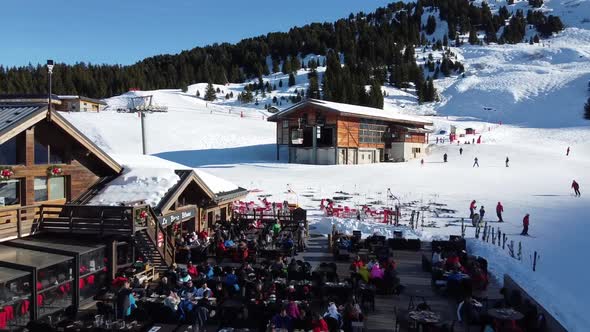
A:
(499, 211)
(525, 225)
(507, 161)
(460, 151)
(482, 212)
(472, 208)
(567, 152)
(475, 162)
(576, 188)
(445, 157)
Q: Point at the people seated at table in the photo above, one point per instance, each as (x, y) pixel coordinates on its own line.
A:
(188, 289)
(172, 274)
(469, 311)
(231, 281)
(452, 261)
(204, 289)
(352, 313)
(163, 287)
(376, 272)
(220, 250)
(318, 324)
(276, 228)
(192, 270)
(293, 310)
(333, 317)
(357, 263)
(184, 277)
(479, 278)
(282, 320)
(371, 263)
(172, 301)
(437, 258)
(125, 300)
(364, 273)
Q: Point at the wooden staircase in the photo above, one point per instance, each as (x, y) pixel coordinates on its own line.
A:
(149, 249)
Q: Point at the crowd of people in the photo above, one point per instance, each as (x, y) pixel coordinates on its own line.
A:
(283, 293)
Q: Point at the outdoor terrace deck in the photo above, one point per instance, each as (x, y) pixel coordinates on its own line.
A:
(416, 281)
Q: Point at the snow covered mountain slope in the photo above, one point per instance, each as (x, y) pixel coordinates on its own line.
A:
(536, 91)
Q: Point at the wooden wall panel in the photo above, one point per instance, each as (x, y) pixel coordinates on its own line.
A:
(348, 132)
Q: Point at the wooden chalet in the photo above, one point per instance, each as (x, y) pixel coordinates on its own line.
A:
(80, 104)
(327, 133)
(49, 174)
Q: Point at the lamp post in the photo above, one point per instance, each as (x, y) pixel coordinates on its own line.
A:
(50, 72)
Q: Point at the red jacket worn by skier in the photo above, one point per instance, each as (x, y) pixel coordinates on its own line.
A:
(472, 206)
(575, 185)
(525, 220)
(499, 208)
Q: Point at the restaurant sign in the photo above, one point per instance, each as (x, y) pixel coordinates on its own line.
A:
(177, 216)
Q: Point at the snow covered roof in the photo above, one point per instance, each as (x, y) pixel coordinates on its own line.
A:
(354, 111)
(155, 180)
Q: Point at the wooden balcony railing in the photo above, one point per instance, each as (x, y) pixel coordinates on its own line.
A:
(19, 221)
(77, 219)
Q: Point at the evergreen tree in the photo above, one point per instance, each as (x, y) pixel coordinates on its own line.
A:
(314, 88)
(292, 79)
(280, 83)
(198, 94)
(473, 40)
(376, 96)
(287, 66)
(246, 96)
(430, 25)
(275, 65)
(431, 91)
(210, 92)
(295, 63)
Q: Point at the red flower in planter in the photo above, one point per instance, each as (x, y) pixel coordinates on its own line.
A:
(143, 214)
(6, 173)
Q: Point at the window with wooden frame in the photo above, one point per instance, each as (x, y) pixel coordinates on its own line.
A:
(10, 192)
(46, 154)
(49, 188)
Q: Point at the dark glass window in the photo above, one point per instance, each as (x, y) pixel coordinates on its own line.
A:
(9, 192)
(46, 154)
(8, 152)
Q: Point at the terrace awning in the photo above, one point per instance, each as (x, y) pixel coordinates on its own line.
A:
(30, 258)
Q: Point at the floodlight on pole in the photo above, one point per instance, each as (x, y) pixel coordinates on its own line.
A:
(50, 71)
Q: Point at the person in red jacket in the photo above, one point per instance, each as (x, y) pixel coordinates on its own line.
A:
(192, 270)
(472, 208)
(499, 211)
(525, 225)
(319, 324)
(576, 188)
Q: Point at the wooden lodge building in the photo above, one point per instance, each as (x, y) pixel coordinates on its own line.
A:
(65, 103)
(56, 241)
(327, 133)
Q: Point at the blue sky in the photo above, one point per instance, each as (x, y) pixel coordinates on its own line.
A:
(125, 31)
